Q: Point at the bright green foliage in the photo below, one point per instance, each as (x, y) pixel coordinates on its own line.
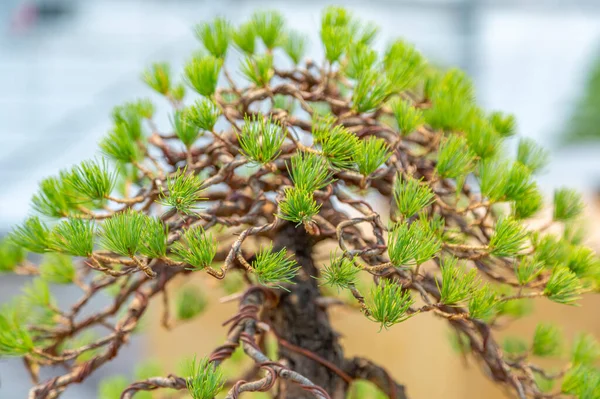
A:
(14, 338)
(508, 239)
(143, 107)
(119, 146)
(129, 117)
(322, 126)
(32, 235)
(294, 46)
(339, 147)
(416, 243)
(457, 284)
(269, 26)
(407, 117)
(215, 36)
(258, 69)
(504, 125)
(261, 139)
(403, 65)
(547, 340)
(563, 286)
(178, 92)
(529, 204)
(158, 77)
(205, 379)
(411, 195)
(190, 302)
(582, 381)
(575, 233)
(57, 269)
(54, 198)
(567, 204)
(586, 349)
(92, 180)
(361, 58)
(515, 308)
(530, 154)
(370, 154)
(112, 387)
(11, 255)
(514, 346)
(203, 114)
(274, 267)
(545, 385)
(202, 74)
(482, 138)
(551, 250)
(309, 171)
(340, 272)
(519, 184)
(288, 104)
(298, 206)
(335, 32)
(454, 157)
(37, 293)
(493, 176)
(245, 38)
(72, 236)
(583, 262)
(389, 304)
(184, 191)
(482, 304)
(370, 91)
(196, 248)
(184, 129)
(528, 269)
(452, 97)
(155, 238)
(122, 233)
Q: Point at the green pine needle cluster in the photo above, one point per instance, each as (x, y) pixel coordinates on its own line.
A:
(202, 74)
(261, 139)
(455, 159)
(528, 269)
(339, 145)
(309, 172)
(298, 206)
(274, 268)
(155, 238)
(258, 69)
(412, 244)
(483, 303)
(215, 36)
(92, 180)
(389, 304)
(245, 38)
(509, 239)
(370, 91)
(530, 154)
(73, 236)
(404, 65)
(586, 349)
(204, 379)
(568, 204)
(33, 235)
(411, 195)
(203, 114)
(184, 128)
(457, 285)
(184, 191)
(55, 197)
(57, 269)
(11, 255)
(158, 77)
(563, 286)
(407, 117)
(340, 272)
(190, 302)
(123, 232)
(547, 340)
(196, 248)
(15, 341)
(370, 154)
(269, 27)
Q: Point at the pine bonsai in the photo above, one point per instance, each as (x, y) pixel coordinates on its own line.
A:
(249, 178)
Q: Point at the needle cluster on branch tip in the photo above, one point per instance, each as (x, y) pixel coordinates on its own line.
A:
(378, 157)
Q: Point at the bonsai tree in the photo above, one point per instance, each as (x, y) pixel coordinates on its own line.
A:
(249, 178)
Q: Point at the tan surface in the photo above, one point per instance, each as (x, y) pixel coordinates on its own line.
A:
(416, 352)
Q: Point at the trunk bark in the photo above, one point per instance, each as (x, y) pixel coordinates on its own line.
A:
(298, 320)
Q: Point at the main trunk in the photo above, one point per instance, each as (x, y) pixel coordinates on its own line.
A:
(300, 321)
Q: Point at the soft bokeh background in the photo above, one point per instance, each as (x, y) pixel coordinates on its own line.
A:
(65, 63)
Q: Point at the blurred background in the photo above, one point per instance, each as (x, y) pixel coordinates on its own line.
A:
(65, 63)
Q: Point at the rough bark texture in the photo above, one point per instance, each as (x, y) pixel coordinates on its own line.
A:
(300, 321)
